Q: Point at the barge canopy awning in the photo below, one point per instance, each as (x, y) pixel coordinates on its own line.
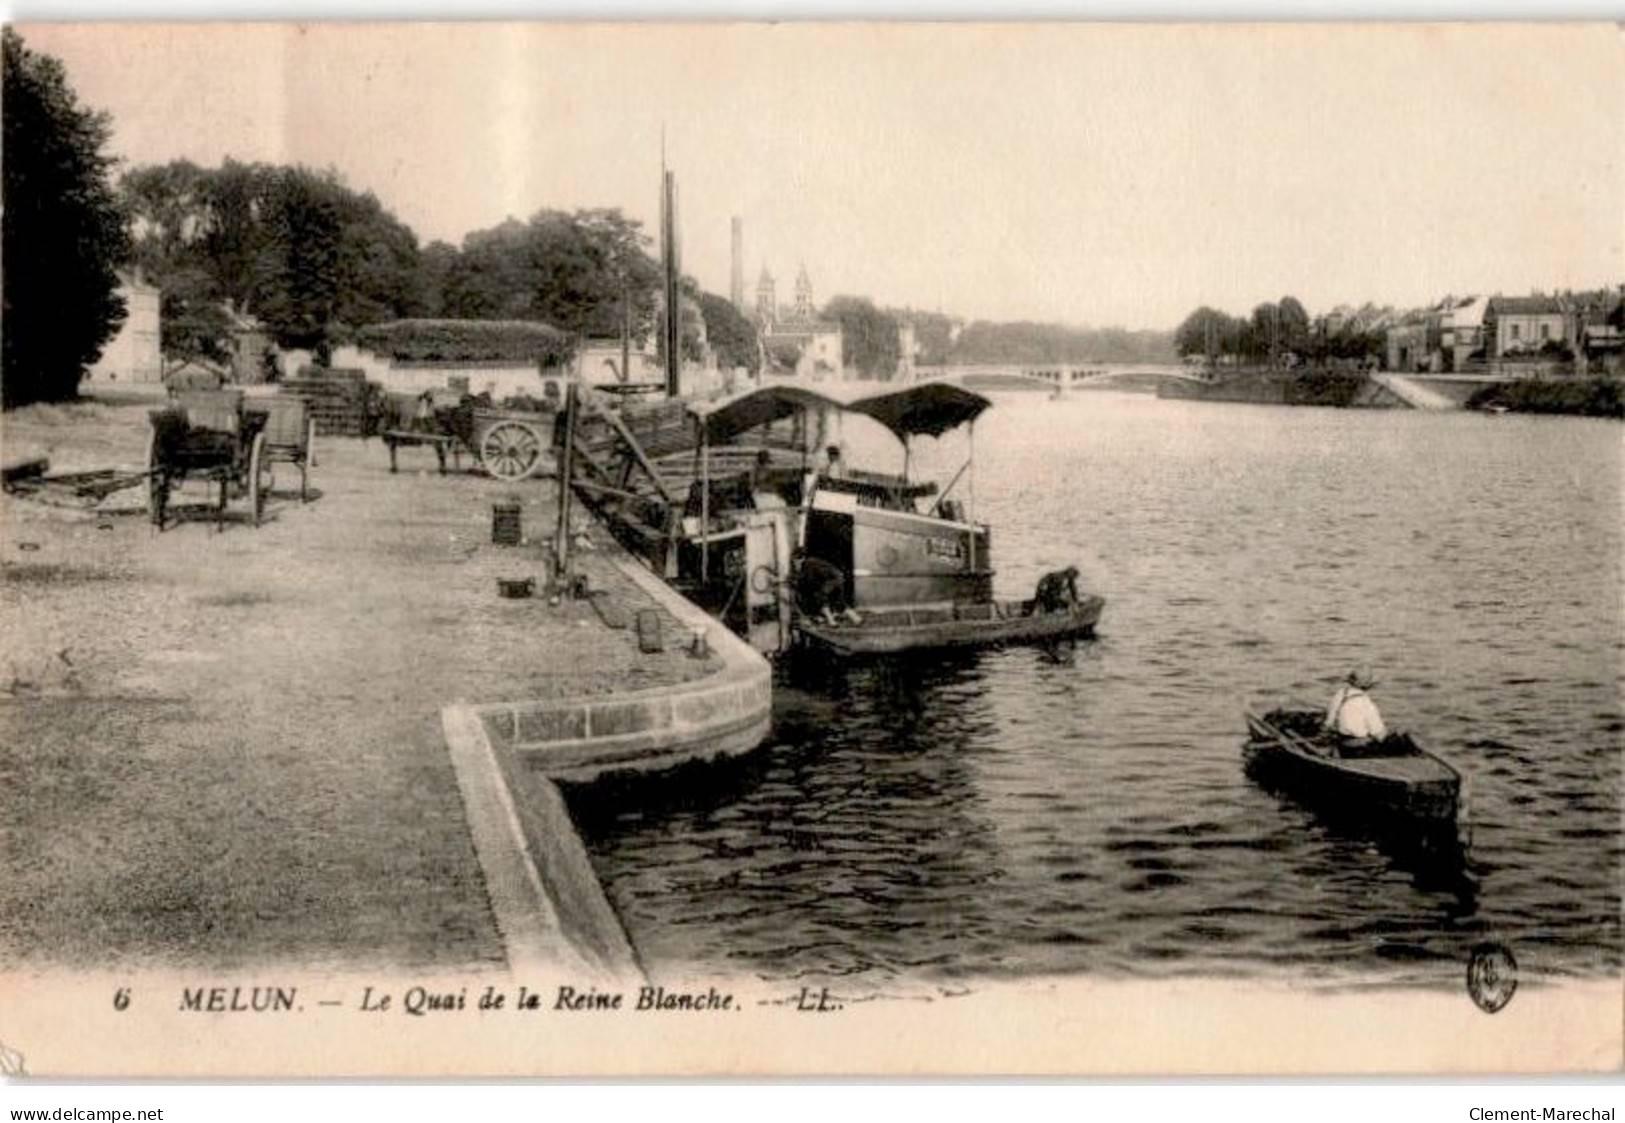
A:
(727, 417)
(931, 408)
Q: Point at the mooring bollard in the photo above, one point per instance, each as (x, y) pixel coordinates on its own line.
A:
(506, 524)
(649, 641)
(515, 589)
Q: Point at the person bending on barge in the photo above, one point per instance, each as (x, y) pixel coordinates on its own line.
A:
(821, 592)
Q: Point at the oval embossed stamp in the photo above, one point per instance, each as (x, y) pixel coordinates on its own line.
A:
(1492, 977)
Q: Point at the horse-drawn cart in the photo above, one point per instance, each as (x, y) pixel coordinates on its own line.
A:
(208, 435)
(508, 444)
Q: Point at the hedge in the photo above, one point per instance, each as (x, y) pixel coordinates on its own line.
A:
(1589, 397)
(1324, 387)
(467, 341)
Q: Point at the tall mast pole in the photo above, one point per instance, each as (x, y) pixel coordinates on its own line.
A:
(668, 254)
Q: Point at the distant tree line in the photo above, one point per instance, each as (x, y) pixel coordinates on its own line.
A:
(315, 262)
(1282, 332)
(983, 341)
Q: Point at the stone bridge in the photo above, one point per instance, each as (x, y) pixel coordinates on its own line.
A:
(1062, 377)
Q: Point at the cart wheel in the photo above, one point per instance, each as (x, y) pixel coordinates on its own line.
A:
(307, 461)
(157, 481)
(511, 450)
(259, 477)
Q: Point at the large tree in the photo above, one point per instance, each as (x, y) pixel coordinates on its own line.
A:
(380, 274)
(170, 210)
(434, 265)
(569, 269)
(1204, 332)
(869, 335)
(294, 247)
(296, 291)
(1294, 323)
(63, 232)
(490, 278)
(732, 336)
(933, 335)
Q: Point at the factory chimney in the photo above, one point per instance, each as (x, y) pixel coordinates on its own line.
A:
(736, 277)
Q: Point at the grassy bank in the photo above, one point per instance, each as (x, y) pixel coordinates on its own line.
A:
(1275, 387)
(1585, 397)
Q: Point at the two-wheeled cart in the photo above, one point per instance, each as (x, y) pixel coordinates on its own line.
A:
(290, 435)
(509, 444)
(208, 435)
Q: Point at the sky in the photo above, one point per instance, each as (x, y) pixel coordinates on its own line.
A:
(1087, 174)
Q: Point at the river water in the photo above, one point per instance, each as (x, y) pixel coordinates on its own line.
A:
(1084, 809)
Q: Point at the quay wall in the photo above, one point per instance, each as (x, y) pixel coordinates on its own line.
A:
(580, 739)
(550, 907)
(1292, 388)
(1577, 395)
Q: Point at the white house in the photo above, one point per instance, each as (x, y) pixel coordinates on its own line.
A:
(135, 354)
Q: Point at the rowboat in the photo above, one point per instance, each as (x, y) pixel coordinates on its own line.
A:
(1391, 778)
(891, 631)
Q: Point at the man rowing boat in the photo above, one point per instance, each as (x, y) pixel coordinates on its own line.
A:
(1352, 713)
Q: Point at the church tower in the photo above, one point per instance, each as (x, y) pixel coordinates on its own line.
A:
(804, 296)
(767, 304)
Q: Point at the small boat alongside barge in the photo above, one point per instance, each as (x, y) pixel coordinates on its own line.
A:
(894, 631)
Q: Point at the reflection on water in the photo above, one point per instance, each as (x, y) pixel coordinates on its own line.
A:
(1084, 808)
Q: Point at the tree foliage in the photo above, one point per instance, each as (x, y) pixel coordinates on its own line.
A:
(193, 324)
(869, 335)
(732, 337)
(1293, 322)
(568, 269)
(1275, 331)
(784, 355)
(933, 335)
(62, 224)
(294, 247)
(1207, 331)
(434, 264)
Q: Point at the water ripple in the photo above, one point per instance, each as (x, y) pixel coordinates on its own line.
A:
(1084, 809)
